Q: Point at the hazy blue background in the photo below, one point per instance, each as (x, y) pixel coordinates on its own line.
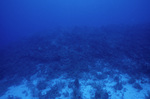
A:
(22, 17)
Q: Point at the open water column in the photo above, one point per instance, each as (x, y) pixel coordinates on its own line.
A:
(74, 49)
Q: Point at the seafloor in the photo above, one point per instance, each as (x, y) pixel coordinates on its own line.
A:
(110, 62)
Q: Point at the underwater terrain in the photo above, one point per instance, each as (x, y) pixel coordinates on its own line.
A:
(109, 62)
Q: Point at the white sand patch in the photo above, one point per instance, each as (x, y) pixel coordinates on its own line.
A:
(128, 91)
(87, 91)
(88, 87)
(132, 93)
(65, 93)
(109, 88)
(20, 91)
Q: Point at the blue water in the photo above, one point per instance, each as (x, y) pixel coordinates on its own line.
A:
(19, 18)
(52, 38)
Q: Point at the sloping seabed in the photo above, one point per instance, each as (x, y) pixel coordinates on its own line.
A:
(81, 63)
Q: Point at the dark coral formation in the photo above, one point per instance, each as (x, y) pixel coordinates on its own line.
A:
(74, 52)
